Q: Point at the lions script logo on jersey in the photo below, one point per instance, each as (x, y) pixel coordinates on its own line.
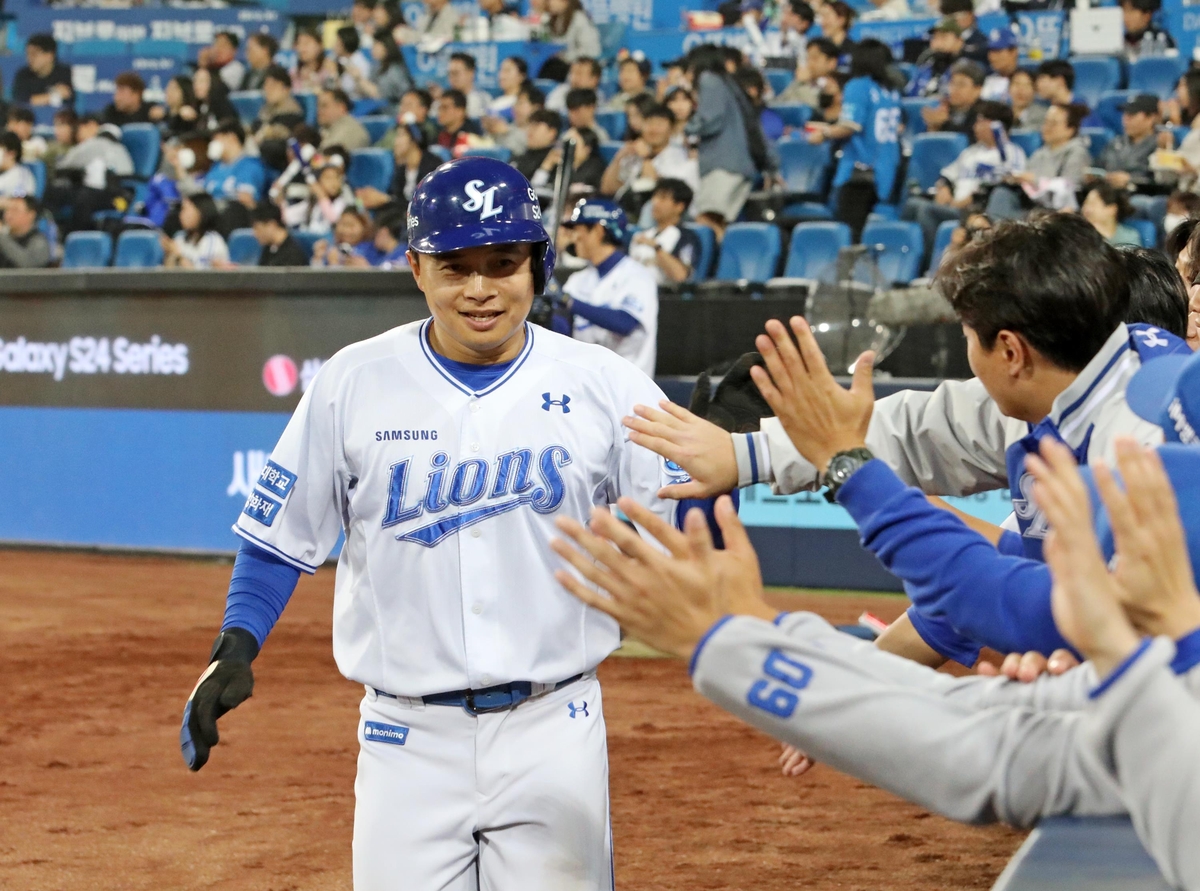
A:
(507, 483)
(481, 201)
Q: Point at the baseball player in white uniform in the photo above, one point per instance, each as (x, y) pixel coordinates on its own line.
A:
(614, 300)
(445, 450)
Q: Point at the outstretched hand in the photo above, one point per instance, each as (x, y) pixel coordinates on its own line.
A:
(700, 447)
(666, 600)
(820, 417)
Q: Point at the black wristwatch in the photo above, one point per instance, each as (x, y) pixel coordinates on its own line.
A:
(841, 467)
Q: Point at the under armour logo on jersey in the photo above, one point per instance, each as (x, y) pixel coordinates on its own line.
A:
(1150, 337)
(578, 709)
(564, 403)
(481, 201)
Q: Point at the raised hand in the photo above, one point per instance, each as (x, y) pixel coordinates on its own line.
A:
(700, 447)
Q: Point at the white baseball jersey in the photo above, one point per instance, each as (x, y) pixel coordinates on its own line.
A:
(448, 498)
(631, 287)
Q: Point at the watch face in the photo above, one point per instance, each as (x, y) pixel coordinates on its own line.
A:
(841, 467)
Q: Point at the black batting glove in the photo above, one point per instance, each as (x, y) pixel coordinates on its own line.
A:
(225, 684)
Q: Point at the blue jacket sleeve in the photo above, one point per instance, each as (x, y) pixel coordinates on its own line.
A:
(708, 506)
(610, 319)
(260, 588)
(949, 570)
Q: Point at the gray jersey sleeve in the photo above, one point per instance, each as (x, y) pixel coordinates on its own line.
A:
(898, 725)
(950, 441)
(1144, 729)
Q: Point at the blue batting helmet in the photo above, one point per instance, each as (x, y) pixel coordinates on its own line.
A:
(602, 212)
(475, 202)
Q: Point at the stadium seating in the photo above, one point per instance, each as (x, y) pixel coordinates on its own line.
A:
(793, 115)
(244, 249)
(1147, 229)
(940, 242)
(144, 145)
(612, 38)
(444, 153)
(913, 122)
(371, 167)
(308, 101)
(897, 247)
(306, 240)
(1156, 74)
(708, 246)
(87, 249)
(499, 152)
(804, 167)
(377, 125)
(138, 249)
(247, 103)
(1108, 109)
(173, 49)
(608, 150)
(1097, 137)
(814, 250)
(38, 169)
(930, 153)
(613, 122)
(749, 252)
(1029, 140)
(1094, 75)
(778, 78)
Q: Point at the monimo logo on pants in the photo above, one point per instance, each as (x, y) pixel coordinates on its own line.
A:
(392, 734)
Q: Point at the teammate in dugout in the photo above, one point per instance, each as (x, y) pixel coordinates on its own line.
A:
(445, 449)
(614, 300)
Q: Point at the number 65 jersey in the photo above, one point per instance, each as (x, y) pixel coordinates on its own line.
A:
(448, 498)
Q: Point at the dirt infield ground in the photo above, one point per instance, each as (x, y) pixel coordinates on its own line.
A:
(98, 653)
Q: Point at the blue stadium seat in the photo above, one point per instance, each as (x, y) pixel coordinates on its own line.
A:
(708, 245)
(173, 49)
(370, 167)
(1029, 140)
(1097, 137)
(377, 125)
(930, 153)
(809, 211)
(306, 240)
(144, 145)
(1156, 74)
(247, 103)
(366, 107)
(913, 122)
(244, 249)
(1095, 75)
(1147, 229)
(804, 167)
(899, 247)
(883, 211)
(308, 101)
(941, 241)
(779, 79)
(43, 116)
(750, 251)
(499, 152)
(138, 249)
(444, 153)
(612, 38)
(613, 122)
(85, 250)
(608, 150)
(1108, 109)
(793, 115)
(545, 84)
(814, 250)
(38, 169)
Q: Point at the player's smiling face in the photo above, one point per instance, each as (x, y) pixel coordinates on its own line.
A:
(479, 298)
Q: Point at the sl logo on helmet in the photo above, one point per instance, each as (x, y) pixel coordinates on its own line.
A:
(481, 201)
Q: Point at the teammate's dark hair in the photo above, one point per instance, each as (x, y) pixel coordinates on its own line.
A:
(532, 94)
(44, 42)
(825, 46)
(1058, 68)
(466, 58)
(996, 111)
(581, 97)
(679, 191)
(455, 97)
(348, 37)
(550, 118)
(1056, 282)
(1156, 292)
(871, 58)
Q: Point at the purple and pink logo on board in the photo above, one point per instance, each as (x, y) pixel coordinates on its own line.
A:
(280, 374)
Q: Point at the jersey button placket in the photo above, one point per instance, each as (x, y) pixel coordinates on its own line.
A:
(474, 553)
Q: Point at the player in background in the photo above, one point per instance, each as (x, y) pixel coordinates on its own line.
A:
(444, 450)
(615, 299)
(870, 124)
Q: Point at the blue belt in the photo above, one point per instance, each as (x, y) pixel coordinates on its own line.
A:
(489, 699)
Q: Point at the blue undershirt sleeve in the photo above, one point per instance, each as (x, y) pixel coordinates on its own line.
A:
(707, 505)
(950, 570)
(616, 320)
(260, 588)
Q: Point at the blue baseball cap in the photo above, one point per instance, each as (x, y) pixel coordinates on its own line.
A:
(1001, 39)
(1166, 391)
(600, 211)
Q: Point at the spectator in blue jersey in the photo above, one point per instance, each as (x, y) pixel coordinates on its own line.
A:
(387, 249)
(234, 176)
(933, 65)
(870, 123)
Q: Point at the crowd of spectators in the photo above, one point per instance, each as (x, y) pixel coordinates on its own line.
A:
(701, 132)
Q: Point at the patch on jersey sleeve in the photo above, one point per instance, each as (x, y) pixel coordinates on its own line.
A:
(262, 508)
(276, 480)
(672, 473)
